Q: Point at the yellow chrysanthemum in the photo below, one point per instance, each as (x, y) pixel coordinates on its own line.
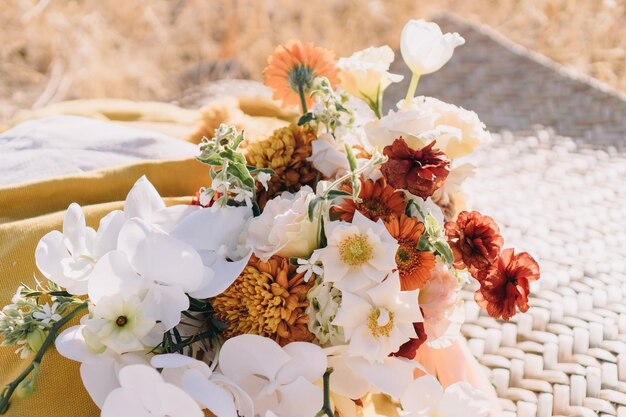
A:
(285, 151)
(267, 299)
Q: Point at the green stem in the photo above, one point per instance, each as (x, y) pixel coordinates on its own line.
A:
(412, 87)
(302, 98)
(327, 409)
(10, 389)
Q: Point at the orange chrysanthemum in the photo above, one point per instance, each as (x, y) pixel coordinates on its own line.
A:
(414, 265)
(505, 285)
(378, 201)
(292, 68)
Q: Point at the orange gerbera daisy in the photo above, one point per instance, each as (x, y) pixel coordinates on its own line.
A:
(378, 201)
(292, 68)
(414, 265)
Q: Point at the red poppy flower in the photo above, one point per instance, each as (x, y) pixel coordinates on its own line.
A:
(505, 285)
(421, 171)
(475, 241)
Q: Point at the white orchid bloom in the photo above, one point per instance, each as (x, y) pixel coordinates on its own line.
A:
(359, 254)
(67, 258)
(280, 381)
(210, 389)
(425, 48)
(284, 227)
(379, 321)
(144, 202)
(354, 377)
(143, 393)
(426, 398)
(218, 235)
(98, 371)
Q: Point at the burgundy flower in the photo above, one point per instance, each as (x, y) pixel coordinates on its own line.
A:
(505, 285)
(409, 349)
(421, 171)
(475, 241)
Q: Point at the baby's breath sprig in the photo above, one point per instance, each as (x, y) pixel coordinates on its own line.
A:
(329, 113)
(31, 324)
(232, 180)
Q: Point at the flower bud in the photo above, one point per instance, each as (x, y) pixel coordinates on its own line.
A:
(25, 388)
(35, 339)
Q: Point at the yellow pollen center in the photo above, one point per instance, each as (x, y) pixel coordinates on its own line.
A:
(355, 250)
(380, 322)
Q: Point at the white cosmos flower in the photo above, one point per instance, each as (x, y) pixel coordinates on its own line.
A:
(359, 254)
(378, 322)
(280, 381)
(365, 74)
(212, 390)
(98, 371)
(425, 48)
(426, 398)
(284, 227)
(118, 322)
(143, 393)
(68, 258)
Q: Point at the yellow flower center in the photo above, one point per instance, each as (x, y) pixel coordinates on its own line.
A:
(380, 322)
(355, 250)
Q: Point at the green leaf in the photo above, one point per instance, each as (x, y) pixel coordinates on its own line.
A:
(233, 156)
(323, 240)
(238, 140)
(306, 118)
(351, 158)
(432, 225)
(312, 205)
(444, 250)
(210, 159)
(332, 194)
(241, 172)
(424, 244)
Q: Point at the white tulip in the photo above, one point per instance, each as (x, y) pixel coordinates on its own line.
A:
(425, 48)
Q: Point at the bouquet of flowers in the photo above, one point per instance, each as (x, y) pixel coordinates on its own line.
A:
(304, 279)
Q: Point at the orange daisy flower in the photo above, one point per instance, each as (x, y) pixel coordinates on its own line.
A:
(414, 265)
(378, 201)
(292, 68)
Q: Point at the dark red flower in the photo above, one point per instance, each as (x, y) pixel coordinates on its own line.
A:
(505, 285)
(421, 172)
(409, 349)
(475, 241)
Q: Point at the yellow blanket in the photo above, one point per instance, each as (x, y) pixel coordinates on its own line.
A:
(30, 210)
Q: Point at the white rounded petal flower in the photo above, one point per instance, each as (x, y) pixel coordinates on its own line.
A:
(425, 48)
(144, 393)
(359, 254)
(379, 321)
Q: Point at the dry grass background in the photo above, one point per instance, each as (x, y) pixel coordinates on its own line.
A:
(53, 50)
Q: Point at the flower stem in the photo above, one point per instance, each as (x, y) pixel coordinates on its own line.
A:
(327, 409)
(10, 388)
(302, 98)
(410, 93)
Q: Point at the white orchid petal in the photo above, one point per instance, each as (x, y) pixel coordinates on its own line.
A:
(307, 360)
(392, 376)
(218, 400)
(71, 344)
(143, 200)
(165, 303)
(301, 398)
(251, 355)
(108, 232)
(422, 396)
(219, 276)
(112, 275)
(121, 403)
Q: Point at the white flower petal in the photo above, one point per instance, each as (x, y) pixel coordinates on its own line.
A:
(218, 400)
(112, 275)
(165, 303)
(462, 399)
(307, 360)
(422, 396)
(219, 276)
(108, 232)
(392, 376)
(71, 344)
(301, 398)
(143, 200)
(122, 403)
(251, 355)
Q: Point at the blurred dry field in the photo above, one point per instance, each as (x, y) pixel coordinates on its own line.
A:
(55, 50)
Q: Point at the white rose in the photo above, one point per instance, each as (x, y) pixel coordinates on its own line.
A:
(425, 48)
(284, 228)
(365, 74)
(328, 156)
(424, 119)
